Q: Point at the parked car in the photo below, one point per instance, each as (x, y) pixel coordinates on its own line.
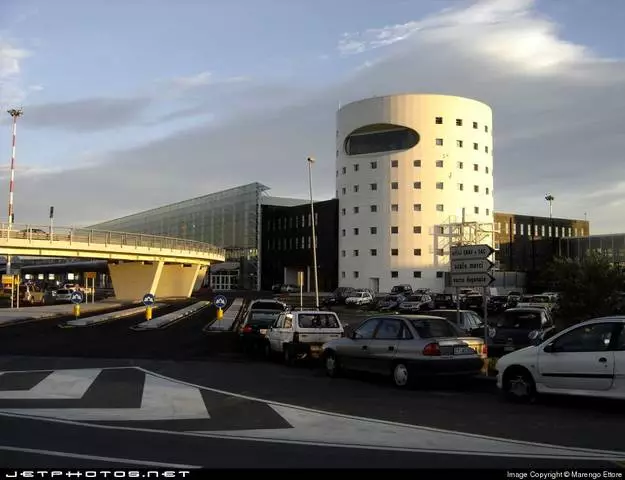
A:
(515, 328)
(587, 359)
(497, 304)
(405, 347)
(253, 330)
(416, 303)
(470, 322)
(444, 300)
(403, 289)
(390, 303)
(268, 304)
(359, 299)
(300, 335)
(339, 296)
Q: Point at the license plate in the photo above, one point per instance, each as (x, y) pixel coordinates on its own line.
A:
(263, 331)
(463, 350)
(315, 348)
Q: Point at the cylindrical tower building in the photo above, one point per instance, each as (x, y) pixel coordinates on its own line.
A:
(410, 169)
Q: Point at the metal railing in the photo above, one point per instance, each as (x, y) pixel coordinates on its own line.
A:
(40, 234)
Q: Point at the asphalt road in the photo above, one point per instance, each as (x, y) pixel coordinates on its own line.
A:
(182, 352)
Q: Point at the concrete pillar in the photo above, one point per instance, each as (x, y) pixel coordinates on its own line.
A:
(132, 280)
(177, 281)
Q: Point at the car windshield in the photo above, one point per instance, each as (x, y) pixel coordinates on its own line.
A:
(317, 320)
(268, 305)
(521, 319)
(62, 292)
(434, 328)
(259, 319)
(540, 299)
(414, 298)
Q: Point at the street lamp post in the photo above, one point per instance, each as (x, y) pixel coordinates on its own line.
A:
(311, 160)
(550, 198)
(15, 114)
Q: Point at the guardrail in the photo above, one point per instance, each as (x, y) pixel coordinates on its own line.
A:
(40, 234)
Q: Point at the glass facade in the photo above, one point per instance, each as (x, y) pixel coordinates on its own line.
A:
(611, 245)
(227, 219)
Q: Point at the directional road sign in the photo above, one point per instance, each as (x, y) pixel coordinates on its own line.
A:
(148, 299)
(470, 252)
(471, 266)
(220, 301)
(472, 280)
(77, 297)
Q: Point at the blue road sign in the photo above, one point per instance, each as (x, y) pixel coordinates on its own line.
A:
(148, 299)
(77, 297)
(220, 301)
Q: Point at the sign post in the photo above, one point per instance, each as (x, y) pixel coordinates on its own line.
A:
(300, 282)
(77, 298)
(220, 302)
(148, 301)
(8, 280)
(470, 267)
(91, 276)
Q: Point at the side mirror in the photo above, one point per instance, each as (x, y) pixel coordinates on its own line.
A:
(353, 335)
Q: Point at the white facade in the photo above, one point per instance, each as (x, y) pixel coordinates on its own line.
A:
(405, 166)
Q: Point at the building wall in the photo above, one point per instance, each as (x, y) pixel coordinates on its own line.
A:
(386, 182)
(287, 244)
(528, 243)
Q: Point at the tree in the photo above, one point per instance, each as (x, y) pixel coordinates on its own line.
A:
(591, 287)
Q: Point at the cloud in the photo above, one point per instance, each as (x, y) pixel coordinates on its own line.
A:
(10, 68)
(558, 108)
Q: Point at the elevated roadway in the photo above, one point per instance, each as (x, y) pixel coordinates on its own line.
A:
(137, 263)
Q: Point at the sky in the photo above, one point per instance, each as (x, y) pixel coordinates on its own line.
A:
(133, 104)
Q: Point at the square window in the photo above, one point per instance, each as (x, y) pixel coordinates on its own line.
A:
(476, 168)
(487, 211)
(416, 185)
(461, 187)
(342, 274)
(458, 122)
(440, 252)
(373, 252)
(343, 190)
(476, 210)
(394, 274)
(486, 149)
(439, 185)
(474, 124)
(416, 229)
(439, 142)
(476, 146)
(416, 274)
(416, 163)
(476, 188)
(356, 188)
(459, 143)
(394, 185)
(460, 165)
(337, 174)
(486, 169)
(342, 253)
(487, 190)
(440, 207)
(438, 120)
(356, 209)
(343, 232)
(439, 274)
(394, 163)
(486, 128)
(395, 207)
(394, 252)
(356, 231)
(355, 253)
(343, 212)
(417, 252)
(373, 186)
(356, 166)
(416, 207)
(394, 230)
(373, 208)
(344, 170)
(374, 165)
(356, 274)
(373, 230)
(439, 163)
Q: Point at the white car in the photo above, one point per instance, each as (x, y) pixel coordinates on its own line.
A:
(359, 298)
(587, 359)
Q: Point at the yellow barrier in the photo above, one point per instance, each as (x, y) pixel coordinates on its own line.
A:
(77, 310)
(148, 313)
(220, 314)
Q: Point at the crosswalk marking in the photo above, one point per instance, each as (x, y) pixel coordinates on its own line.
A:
(61, 384)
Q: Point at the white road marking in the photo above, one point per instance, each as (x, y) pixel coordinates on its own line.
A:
(60, 384)
(127, 461)
(432, 440)
(162, 400)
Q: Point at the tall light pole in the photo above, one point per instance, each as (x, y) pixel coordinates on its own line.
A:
(15, 114)
(550, 198)
(311, 160)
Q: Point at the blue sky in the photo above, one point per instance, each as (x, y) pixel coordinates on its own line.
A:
(110, 86)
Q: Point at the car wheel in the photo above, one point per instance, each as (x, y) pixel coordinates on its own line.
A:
(401, 375)
(332, 366)
(268, 351)
(519, 386)
(287, 356)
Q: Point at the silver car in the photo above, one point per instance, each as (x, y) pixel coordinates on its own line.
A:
(405, 347)
(416, 303)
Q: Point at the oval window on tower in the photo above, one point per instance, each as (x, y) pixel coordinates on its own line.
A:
(379, 138)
